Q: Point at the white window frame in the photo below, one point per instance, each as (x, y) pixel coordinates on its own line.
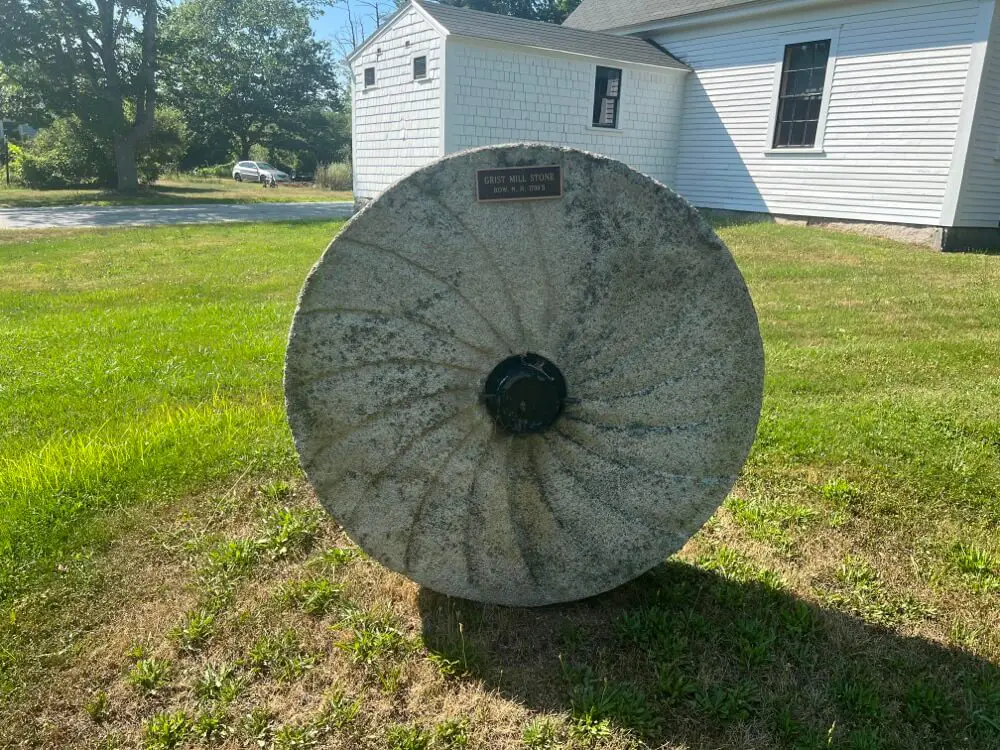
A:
(427, 68)
(364, 82)
(617, 130)
(812, 35)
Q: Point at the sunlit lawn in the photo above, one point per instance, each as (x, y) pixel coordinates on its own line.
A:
(847, 594)
(175, 191)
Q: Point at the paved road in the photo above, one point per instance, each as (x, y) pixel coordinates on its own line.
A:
(112, 216)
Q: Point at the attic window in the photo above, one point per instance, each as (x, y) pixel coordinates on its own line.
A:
(419, 67)
(607, 91)
(369, 77)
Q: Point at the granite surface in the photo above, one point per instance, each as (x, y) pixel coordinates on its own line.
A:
(619, 282)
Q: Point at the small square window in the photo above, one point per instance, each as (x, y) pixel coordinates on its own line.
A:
(369, 77)
(607, 90)
(419, 67)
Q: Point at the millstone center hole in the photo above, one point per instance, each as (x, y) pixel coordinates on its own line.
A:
(525, 393)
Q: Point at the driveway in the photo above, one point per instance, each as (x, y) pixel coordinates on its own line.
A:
(70, 217)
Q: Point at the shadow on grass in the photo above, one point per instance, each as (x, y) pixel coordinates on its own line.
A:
(683, 656)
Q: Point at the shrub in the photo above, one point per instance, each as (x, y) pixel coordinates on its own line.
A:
(67, 153)
(335, 176)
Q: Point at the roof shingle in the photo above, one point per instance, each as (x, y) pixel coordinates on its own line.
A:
(603, 15)
(539, 35)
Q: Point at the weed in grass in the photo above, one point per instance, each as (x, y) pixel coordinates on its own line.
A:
(374, 636)
(194, 630)
(335, 557)
(727, 703)
(841, 494)
(232, 560)
(98, 707)
(166, 731)
(926, 703)
(673, 684)
(136, 652)
(276, 492)
(770, 521)
(280, 656)
(218, 683)
(755, 642)
(296, 737)
(288, 532)
(451, 733)
(858, 696)
(257, 727)
(541, 734)
(338, 711)
(598, 700)
(979, 568)
(314, 596)
(446, 667)
(407, 737)
(588, 728)
(149, 675)
(211, 726)
(389, 677)
(861, 592)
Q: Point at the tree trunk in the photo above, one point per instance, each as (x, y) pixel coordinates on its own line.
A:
(244, 148)
(125, 167)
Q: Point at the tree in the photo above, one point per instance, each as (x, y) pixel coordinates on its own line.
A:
(552, 11)
(92, 59)
(246, 69)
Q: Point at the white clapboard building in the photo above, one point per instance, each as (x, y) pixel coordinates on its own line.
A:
(884, 112)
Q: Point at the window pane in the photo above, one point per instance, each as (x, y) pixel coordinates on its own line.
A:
(420, 67)
(815, 103)
(798, 133)
(369, 76)
(810, 136)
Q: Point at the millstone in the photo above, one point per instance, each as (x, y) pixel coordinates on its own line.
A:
(524, 401)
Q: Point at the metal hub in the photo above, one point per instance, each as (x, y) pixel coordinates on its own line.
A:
(525, 393)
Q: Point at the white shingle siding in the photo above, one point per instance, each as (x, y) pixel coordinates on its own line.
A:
(397, 123)
(979, 199)
(501, 94)
(894, 106)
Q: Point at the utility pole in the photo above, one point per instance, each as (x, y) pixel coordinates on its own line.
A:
(6, 158)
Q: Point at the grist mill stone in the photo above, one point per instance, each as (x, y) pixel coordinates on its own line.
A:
(524, 375)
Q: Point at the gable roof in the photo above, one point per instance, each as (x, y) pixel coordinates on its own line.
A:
(547, 36)
(620, 14)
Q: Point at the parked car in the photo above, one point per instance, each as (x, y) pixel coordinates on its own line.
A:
(257, 171)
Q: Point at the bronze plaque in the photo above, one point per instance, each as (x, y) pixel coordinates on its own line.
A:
(519, 183)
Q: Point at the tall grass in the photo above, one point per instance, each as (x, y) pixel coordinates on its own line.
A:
(335, 176)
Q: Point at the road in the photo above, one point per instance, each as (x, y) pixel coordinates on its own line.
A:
(72, 217)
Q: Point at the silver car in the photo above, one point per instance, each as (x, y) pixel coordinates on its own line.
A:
(258, 171)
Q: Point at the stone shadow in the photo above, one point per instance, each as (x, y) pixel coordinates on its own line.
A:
(684, 657)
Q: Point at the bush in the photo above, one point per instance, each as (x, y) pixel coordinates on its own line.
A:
(67, 153)
(335, 176)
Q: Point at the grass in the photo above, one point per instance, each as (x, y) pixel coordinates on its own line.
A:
(168, 581)
(175, 191)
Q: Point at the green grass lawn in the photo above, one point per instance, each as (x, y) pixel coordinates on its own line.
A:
(165, 578)
(176, 191)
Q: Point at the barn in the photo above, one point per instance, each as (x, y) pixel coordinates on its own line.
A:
(878, 113)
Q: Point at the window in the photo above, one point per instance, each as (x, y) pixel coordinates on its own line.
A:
(419, 67)
(800, 98)
(607, 90)
(369, 77)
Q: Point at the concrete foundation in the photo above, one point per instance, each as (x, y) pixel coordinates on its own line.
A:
(960, 239)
